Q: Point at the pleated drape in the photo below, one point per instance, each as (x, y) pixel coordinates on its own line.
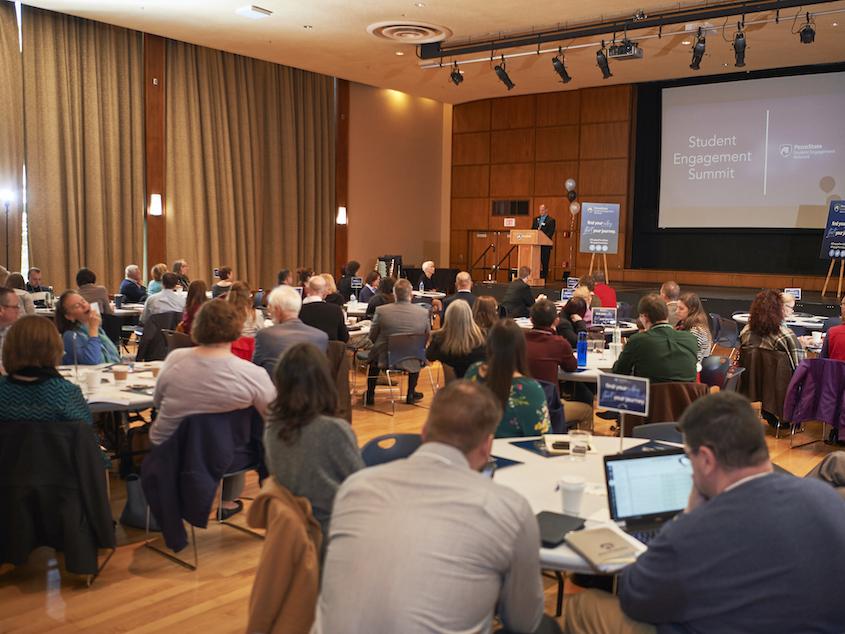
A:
(11, 134)
(84, 131)
(250, 164)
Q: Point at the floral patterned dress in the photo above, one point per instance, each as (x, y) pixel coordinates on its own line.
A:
(526, 414)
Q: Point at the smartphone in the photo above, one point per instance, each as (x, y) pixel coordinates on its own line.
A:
(561, 445)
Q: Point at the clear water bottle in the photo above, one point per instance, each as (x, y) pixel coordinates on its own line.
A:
(353, 298)
(582, 349)
(422, 286)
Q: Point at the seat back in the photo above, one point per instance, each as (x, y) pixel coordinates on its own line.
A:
(153, 346)
(667, 401)
(624, 310)
(553, 402)
(800, 331)
(715, 322)
(380, 449)
(667, 432)
(339, 369)
(732, 379)
(175, 339)
(113, 327)
(728, 336)
(714, 370)
(404, 350)
(766, 377)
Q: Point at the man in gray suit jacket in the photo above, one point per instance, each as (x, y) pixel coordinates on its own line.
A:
(271, 343)
(399, 318)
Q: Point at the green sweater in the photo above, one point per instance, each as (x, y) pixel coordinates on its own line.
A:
(661, 354)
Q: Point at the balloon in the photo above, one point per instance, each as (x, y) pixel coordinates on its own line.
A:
(574, 208)
(571, 195)
(569, 184)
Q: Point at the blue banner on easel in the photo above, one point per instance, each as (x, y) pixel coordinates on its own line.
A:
(833, 243)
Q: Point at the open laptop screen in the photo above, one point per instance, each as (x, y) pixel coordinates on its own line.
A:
(650, 484)
(604, 316)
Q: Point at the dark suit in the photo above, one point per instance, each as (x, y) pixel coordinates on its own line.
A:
(400, 318)
(326, 317)
(548, 228)
(133, 292)
(518, 299)
(466, 296)
(271, 343)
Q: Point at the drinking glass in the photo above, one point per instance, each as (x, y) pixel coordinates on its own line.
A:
(579, 444)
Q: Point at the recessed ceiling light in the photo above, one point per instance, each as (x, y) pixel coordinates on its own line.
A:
(307, 26)
(725, 64)
(399, 53)
(254, 12)
(419, 5)
(835, 24)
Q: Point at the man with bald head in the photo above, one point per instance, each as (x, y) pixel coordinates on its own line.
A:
(670, 293)
(545, 223)
(463, 286)
(318, 313)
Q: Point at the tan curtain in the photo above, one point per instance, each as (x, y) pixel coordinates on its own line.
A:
(84, 130)
(250, 165)
(11, 135)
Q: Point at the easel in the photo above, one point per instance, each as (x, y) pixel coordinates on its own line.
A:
(830, 273)
(607, 277)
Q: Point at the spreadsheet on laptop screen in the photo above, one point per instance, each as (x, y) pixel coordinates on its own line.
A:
(645, 486)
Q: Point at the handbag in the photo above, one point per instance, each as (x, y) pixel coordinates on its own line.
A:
(135, 510)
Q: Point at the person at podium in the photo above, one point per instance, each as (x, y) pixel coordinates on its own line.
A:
(545, 223)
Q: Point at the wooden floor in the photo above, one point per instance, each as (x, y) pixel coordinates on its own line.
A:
(140, 591)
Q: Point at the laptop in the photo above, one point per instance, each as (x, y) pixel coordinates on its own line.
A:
(646, 490)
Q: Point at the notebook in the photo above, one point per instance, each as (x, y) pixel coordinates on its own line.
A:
(645, 490)
(603, 548)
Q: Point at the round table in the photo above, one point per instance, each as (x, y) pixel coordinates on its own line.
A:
(812, 322)
(627, 327)
(536, 478)
(429, 294)
(113, 396)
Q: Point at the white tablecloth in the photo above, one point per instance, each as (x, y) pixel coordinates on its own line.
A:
(815, 322)
(115, 396)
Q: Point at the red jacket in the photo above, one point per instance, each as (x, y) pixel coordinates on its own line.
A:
(607, 295)
(546, 351)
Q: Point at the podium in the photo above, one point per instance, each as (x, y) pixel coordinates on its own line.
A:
(528, 243)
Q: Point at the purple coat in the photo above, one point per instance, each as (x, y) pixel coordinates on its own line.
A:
(817, 392)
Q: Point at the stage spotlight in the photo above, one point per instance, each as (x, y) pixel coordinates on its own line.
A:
(807, 34)
(456, 76)
(739, 46)
(560, 68)
(698, 50)
(502, 74)
(601, 60)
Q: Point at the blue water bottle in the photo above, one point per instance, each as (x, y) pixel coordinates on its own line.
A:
(582, 349)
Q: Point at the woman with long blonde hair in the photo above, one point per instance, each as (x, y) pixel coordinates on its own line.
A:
(240, 295)
(460, 342)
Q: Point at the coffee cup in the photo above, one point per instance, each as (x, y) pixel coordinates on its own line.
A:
(118, 301)
(571, 489)
(817, 338)
(92, 380)
(120, 372)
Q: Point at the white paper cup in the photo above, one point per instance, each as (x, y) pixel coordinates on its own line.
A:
(615, 350)
(571, 493)
(817, 337)
(92, 380)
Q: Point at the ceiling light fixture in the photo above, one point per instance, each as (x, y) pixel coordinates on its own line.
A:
(457, 75)
(254, 12)
(601, 60)
(807, 34)
(399, 53)
(502, 74)
(698, 49)
(739, 46)
(560, 67)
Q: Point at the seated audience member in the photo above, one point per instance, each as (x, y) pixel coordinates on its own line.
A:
(670, 293)
(427, 276)
(34, 390)
(459, 343)
(370, 286)
(607, 294)
(572, 320)
(506, 373)
(131, 288)
(485, 313)
(10, 311)
(195, 299)
(34, 282)
(589, 283)
(309, 450)
(180, 268)
(344, 286)
(270, 343)
(765, 328)
(834, 344)
(240, 296)
(788, 305)
(86, 282)
(318, 313)
(155, 273)
(285, 278)
(399, 318)
(731, 562)
(583, 293)
(661, 353)
(518, 297)
(168, 300)
(208, 379)
(332, 296)
(691, 317)
(16, 282)
(384, 296)
(224, 274)
(546, 352)
(85, 342)
(463, 292)
(471, 542)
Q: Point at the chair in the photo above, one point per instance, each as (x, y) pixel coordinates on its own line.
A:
(667, 401)
(715, 322)
(667, 432)
(339, 368)
(624, 310)
(54, 494)
(830, 322)
(175, 339)
(402, 352)
(714, 371)
(800, 331)
(553, 402)
(815, 394)
(374, 452)
(181, 475)
(732, 379)
(152, 346)
(766, 378)
(728, 336)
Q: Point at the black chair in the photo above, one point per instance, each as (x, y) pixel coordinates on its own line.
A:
(715, 322)
(624, 310)
(728, 336)
(380, 450)
(667, 432)
(402, 352)
(175, 339)
(732, 379)
(153, 346)
(714, 370)
(553, 402)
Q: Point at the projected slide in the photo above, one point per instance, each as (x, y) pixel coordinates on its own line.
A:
(757, 153)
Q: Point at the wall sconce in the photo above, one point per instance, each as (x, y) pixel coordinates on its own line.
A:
(155, 205)
(341, 216)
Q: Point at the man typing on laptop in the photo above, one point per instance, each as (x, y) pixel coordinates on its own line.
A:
(755, 551)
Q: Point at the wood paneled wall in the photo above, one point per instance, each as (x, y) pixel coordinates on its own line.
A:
(526, 147)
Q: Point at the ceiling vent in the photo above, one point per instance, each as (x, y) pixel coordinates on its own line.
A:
(408, 32)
